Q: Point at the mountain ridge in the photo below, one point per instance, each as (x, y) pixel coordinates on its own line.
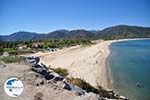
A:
(113, 32)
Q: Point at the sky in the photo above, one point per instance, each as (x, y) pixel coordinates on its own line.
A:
(44, 16)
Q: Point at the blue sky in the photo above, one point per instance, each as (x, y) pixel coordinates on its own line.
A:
(48, 15)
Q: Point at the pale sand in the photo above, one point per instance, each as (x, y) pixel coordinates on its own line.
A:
(88, 63)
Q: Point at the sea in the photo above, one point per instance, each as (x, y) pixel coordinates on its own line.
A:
(129, 63)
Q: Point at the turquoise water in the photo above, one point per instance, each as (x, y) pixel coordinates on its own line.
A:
(129, 62)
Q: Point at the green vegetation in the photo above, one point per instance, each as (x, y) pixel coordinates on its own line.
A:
(86, 86)
(65, 43)
(10, 59)
(123, 32)
(11, 45)
(24, 51)
(83, 84)
(1, 50)
(114, 32)
(61, 71)
(107, 38)
(11, 51)
(13, 48)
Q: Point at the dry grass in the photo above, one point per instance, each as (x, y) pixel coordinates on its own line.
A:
(61, 71)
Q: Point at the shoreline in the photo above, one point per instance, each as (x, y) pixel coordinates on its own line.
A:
(109, 75)
(108, 69)
(89, 63)
(118, 86)
(108, 78)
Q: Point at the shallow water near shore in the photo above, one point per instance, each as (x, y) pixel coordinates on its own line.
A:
(129, 62)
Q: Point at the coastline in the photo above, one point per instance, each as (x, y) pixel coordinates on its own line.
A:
(124, 76)
(89, 63)
(107, 82)
(109, 76)
(107, 66)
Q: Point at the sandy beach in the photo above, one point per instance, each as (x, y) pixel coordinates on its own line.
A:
(88, 63)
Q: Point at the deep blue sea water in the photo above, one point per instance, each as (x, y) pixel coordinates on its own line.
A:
(129, 62)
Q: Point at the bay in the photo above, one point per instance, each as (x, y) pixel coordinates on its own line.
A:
(129, 62)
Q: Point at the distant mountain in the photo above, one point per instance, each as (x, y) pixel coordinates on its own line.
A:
(59, 34)
(93, 31)
(80, 34)
(115, 32)
(23, 36)
(124, 31)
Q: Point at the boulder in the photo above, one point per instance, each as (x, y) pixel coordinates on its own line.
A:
(78, 90)
(67, 86)
(123, 98)
(59, 78)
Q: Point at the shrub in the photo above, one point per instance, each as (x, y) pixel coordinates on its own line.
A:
(86, 86)
(11, 51)
(61, 71)
(1, 50)
(10, 59)
(83, 84)
(25, 51)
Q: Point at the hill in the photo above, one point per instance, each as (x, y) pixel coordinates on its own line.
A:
(22, 36)
(115, 32)
(124, 31)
